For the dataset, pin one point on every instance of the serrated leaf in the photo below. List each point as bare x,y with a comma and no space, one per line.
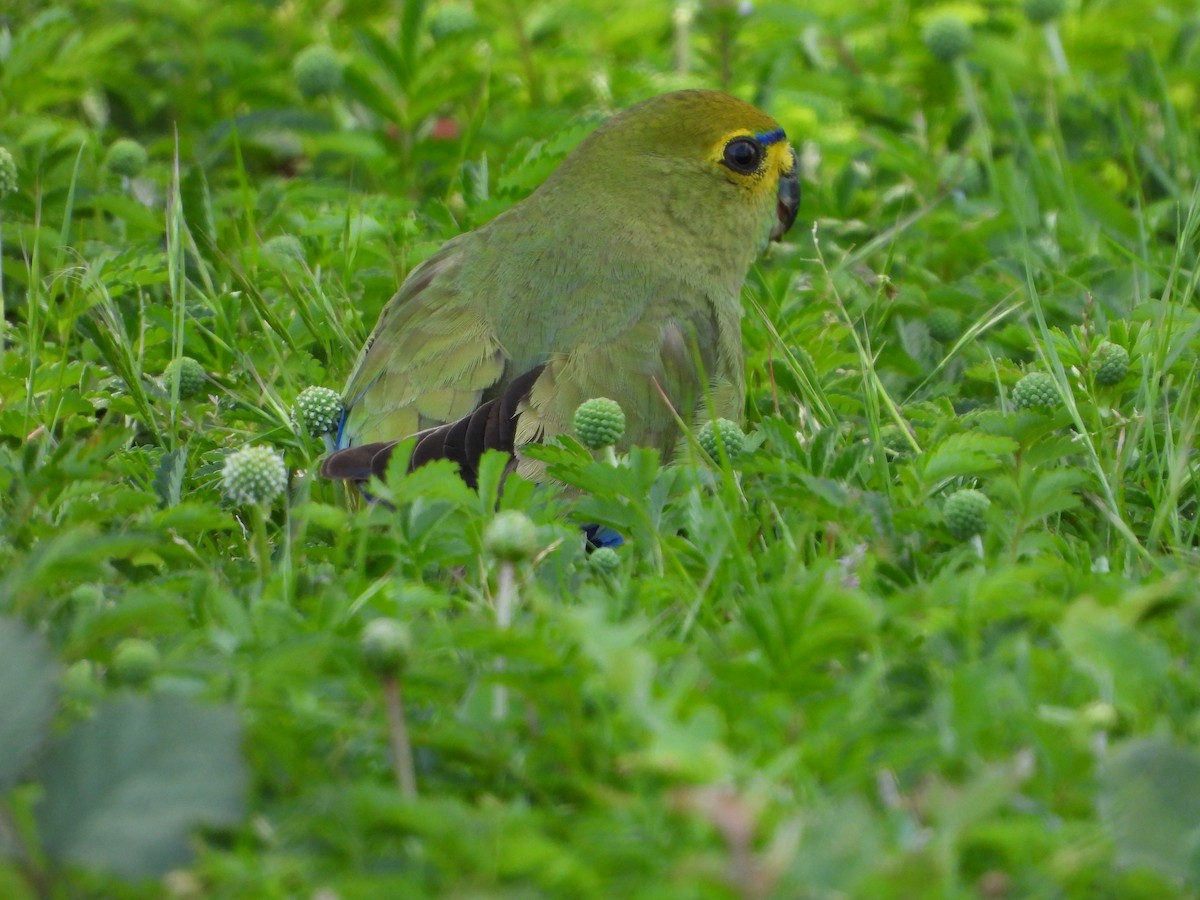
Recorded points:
410,35
191,518
965,454
1055,492
832,492
123,790
168,477
1149,794
1127,665
28,694
493,468
198,211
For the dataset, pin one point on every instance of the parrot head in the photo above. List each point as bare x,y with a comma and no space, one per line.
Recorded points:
711,160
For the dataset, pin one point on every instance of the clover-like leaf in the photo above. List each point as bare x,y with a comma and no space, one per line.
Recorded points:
124,789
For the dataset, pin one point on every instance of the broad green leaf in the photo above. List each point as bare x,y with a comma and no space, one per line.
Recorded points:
124,790
965,454
1055,492
840,843
28,691
1129,667
1149,800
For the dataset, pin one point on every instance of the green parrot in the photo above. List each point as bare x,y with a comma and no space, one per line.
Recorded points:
619,277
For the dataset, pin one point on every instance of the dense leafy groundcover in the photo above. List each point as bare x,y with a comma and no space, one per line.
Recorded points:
930,633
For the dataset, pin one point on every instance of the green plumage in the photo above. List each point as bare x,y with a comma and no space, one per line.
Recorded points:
619,277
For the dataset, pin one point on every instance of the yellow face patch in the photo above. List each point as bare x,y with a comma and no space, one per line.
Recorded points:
756,160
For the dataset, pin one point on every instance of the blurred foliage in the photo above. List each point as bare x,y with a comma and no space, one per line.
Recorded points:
794,680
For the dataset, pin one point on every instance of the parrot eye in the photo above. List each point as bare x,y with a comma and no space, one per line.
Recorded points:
743,155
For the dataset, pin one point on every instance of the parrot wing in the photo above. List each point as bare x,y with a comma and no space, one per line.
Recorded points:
429,360
433,369
540,403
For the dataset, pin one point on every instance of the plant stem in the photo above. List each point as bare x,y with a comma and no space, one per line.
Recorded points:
3,321
1055,47
967,85
506,596
261,547
682,18
402,758
35,876
527,54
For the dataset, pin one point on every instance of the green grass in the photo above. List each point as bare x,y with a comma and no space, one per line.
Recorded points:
796,681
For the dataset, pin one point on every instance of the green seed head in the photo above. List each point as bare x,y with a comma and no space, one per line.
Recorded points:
126,157
605,560
318,410
1041,11
253,475
450,19
722,435
317,70
966,513
1100,715
79,679
945,325
386,646
599,422
184,377
947,37
1037,390
8,173
1111,364
511,536
134,661
86,596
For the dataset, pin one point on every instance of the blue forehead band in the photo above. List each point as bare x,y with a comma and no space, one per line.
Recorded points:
767,138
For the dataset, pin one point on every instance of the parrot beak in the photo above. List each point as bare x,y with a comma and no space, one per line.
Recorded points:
789,200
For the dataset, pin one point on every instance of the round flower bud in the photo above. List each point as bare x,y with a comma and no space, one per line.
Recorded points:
286,245
599,422
722,434
947,37
126,157
134,661
79,679
451,19
317,70
511,536
1037,390
1041,11
86,596
966,513
253,475
945,325
1100,715
386,646
318,410
1111,364
605,560
184,377
8,173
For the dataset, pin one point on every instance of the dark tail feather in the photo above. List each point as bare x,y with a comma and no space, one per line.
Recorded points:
490,426
359,463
